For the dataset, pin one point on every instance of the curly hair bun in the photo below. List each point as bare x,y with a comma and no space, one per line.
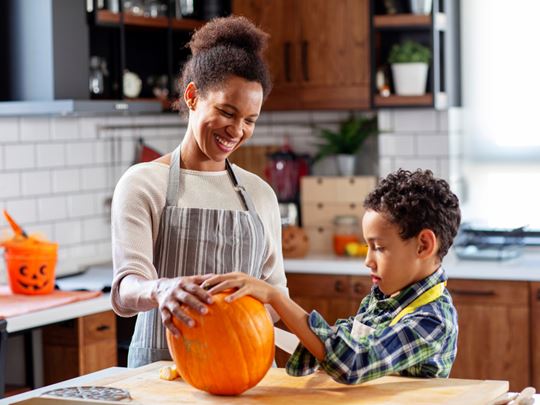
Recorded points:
230,31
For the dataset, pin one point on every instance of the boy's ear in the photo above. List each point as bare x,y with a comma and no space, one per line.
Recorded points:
427,244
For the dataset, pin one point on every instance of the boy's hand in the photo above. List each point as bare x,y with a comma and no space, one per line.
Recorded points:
245,285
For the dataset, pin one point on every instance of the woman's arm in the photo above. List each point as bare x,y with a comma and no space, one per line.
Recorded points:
290,312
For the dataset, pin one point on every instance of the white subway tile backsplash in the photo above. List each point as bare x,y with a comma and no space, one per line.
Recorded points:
94,178
35,129
50,155
23,211
1,157
444,169
10,185
9,130
386,120
36,182
80,153
65,128
65,180
81,205
52,208
68,232
88,127
386,166
45,231
19,157
96,229
415,120
102,152
396,144
442,117
432,145
329,116
296,117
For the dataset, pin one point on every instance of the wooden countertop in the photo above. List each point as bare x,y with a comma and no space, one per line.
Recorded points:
277,387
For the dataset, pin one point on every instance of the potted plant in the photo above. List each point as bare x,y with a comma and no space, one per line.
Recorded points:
409,61
346,142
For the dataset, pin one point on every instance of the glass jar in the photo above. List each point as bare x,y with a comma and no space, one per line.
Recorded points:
346,230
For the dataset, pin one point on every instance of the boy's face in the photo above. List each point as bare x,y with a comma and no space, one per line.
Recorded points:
393,262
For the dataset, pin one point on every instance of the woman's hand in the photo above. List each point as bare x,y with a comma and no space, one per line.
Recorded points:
172,293
245,285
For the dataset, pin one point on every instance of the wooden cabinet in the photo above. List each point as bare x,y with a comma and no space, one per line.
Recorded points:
493,341
318,53
535,333
79,346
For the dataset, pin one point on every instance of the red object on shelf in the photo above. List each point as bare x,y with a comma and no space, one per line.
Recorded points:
144,153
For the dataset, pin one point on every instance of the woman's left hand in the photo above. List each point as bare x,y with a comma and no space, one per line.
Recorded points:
245,285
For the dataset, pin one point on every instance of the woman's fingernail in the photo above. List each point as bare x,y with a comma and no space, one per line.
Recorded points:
228,299
204,310
209,300
191,324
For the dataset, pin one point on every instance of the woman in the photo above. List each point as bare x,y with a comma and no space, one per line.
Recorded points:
189,214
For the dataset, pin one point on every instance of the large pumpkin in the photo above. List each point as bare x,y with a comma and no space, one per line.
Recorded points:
229,350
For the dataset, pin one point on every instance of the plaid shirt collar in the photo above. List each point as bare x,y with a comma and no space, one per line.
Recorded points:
398,302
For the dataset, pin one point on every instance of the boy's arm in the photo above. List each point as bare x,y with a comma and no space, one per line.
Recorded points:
296,319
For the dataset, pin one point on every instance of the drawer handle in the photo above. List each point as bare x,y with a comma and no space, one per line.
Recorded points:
339,287
102,328
358,288
353,206
320,206
538,294
478,293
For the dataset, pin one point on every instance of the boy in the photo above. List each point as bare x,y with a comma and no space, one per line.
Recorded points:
407,324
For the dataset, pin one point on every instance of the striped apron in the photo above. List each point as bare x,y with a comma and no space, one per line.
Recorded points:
195,241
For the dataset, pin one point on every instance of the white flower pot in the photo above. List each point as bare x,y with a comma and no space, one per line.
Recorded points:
346,164
421,7
410,78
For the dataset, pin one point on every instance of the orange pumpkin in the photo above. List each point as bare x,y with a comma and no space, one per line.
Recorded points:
294,242
229,350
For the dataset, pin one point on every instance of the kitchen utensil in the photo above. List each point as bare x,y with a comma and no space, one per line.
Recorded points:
144,153
15,226
90,392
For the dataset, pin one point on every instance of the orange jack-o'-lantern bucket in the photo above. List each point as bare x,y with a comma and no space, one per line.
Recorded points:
31,266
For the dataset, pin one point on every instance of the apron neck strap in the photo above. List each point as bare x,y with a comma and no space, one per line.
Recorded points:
173,188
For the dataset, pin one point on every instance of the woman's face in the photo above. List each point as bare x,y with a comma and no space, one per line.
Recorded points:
225,117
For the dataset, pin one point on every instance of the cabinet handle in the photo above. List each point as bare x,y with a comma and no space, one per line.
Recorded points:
478,293
339,287
102,328
358,288
287,60
538,294
305,70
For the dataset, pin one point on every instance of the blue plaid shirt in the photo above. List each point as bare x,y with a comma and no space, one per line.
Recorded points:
421,344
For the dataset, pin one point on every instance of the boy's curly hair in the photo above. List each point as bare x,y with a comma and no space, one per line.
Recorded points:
223,47
415,201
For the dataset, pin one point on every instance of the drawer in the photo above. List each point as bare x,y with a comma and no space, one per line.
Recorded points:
323,213
360,286
320,239
511,293
98,327
336,189
318,285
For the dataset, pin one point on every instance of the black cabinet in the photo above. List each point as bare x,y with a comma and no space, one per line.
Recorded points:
394,22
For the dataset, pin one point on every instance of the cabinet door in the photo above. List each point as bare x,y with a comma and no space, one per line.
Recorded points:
360,287
493,341
280,20
334,53
328,294
97,342
535,333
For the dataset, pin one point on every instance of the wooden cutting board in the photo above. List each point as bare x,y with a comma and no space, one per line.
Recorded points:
279,388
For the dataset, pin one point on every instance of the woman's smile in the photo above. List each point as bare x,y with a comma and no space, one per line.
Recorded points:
223,144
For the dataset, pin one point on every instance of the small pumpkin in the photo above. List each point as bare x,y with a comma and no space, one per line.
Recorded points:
229,350
294,242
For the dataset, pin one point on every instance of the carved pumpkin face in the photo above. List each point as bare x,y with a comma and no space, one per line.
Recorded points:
294,241
31,274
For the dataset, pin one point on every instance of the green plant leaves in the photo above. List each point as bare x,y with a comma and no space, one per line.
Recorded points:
349,139
409,52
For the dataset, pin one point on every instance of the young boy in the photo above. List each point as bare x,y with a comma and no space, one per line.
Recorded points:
407,324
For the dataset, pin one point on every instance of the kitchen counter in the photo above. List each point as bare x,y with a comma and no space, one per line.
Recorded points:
523,268
277,387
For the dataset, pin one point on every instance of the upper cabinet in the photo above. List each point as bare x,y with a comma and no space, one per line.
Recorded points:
436,28
319,51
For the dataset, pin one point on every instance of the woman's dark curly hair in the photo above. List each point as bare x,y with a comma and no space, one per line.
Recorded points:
415,201
227,46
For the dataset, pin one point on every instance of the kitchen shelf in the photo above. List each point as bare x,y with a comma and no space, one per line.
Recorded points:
402,20
186,24
393,100
105,17
145,22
